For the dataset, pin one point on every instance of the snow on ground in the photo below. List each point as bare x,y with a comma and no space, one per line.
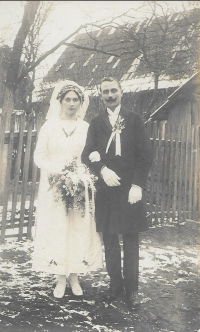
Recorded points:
169,286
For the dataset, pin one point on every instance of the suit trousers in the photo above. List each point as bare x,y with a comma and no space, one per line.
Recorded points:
130,260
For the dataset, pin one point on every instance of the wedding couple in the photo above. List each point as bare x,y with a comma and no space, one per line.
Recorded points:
116,148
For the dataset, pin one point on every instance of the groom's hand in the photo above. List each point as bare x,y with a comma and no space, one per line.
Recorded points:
110,177
135,194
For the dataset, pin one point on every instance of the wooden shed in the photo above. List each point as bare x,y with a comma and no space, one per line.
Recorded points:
181,108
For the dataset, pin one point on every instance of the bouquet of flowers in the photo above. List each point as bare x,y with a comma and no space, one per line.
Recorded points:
70,186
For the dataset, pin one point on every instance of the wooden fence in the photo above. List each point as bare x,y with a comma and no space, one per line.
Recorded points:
172,190
173,184
18,210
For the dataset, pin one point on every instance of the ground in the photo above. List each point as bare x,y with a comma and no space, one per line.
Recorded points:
169,285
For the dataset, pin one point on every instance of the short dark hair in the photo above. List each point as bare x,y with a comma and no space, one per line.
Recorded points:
110,79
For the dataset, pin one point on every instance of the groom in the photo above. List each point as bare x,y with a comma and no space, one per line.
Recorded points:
118,151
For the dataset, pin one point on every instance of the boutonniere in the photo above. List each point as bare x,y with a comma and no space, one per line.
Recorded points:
119,125
115,135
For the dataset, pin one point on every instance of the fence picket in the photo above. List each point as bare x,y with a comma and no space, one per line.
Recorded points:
17,168
181,172
190,179
164,177
25,175
175,175
33,188
195,172
159,180
186,173
7,179
150,186
191,175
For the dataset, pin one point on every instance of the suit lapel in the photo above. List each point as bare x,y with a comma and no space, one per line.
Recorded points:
122,112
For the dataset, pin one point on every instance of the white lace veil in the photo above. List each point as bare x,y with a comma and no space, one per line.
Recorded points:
54,111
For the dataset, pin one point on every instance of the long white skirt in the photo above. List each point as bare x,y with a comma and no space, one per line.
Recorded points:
64,243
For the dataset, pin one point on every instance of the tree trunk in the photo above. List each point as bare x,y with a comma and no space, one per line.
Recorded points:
30,11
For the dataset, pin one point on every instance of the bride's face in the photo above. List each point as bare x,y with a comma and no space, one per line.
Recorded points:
70,104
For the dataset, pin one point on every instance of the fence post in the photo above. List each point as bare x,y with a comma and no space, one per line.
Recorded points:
25,174
17,168
7,178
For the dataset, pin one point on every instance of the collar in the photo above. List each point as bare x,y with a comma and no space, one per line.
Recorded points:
115,112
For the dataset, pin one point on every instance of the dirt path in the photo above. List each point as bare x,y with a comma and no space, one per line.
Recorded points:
169,286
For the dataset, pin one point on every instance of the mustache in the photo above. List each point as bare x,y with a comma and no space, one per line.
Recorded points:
110,99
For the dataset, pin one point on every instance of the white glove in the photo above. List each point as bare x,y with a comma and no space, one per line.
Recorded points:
135,194
110,177
94,156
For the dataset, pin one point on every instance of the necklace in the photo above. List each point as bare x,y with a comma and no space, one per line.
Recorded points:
70,134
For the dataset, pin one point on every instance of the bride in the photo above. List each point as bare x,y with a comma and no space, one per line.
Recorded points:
66,244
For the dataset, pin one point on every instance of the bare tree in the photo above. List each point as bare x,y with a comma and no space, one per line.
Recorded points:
24,58
166,42
31,51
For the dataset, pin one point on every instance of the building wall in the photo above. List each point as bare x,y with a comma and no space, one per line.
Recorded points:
180,114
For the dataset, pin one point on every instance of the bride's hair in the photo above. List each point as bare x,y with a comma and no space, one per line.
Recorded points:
68,88
61,88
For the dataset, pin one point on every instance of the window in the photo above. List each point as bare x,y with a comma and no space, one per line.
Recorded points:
116,63
132,68
87,61
110,59
98,34
93,70
58,67
112,30
72,65
138,27
90,81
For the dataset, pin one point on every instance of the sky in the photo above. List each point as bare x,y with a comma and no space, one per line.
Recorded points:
66,17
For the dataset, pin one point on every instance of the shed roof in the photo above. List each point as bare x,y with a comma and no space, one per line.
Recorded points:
187,86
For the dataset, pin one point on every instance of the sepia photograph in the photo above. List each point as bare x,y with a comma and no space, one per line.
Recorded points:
99,166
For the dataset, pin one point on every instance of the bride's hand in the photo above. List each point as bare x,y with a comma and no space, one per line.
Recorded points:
94,156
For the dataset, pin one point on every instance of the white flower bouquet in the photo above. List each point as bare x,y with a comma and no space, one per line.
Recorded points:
71,184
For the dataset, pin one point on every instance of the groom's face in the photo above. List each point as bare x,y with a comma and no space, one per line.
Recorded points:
111,94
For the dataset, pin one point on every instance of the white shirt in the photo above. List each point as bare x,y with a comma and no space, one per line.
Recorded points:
113,115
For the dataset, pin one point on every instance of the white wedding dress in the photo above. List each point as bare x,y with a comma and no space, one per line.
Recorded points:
64,243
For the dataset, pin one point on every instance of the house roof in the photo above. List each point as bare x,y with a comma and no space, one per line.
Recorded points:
186,87
87,68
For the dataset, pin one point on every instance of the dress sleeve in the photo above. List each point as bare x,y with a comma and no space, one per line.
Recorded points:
41,154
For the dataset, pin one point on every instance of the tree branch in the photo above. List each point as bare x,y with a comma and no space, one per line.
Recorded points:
90,49
61,43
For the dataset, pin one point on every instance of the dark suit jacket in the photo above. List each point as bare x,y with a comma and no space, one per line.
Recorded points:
113,212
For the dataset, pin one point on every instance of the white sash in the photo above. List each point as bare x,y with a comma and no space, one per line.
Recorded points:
115,134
